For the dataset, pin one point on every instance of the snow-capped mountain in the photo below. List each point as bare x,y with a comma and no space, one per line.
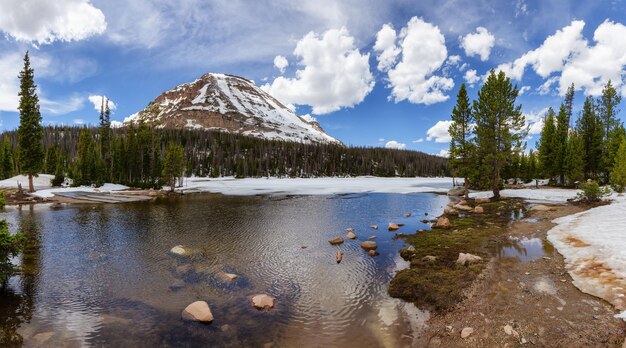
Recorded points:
231,104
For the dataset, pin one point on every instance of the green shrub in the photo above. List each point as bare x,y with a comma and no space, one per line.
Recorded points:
592,192
2,200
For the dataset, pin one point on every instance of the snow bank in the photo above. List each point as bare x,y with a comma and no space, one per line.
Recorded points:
315,186
593,243
536,195
43,180
49,193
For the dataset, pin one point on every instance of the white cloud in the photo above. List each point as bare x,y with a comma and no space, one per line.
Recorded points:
534,120
479,43
471,77
281,63
439,132
79,121
308,118
61,107
547,85
524,89
334,73
96,100
45,21
10,66
423,53
443,153
395,145
380,140
116,124
386,46
454,60
420,140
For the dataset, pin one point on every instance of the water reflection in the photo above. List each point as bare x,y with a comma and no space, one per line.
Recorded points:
104,274
525,249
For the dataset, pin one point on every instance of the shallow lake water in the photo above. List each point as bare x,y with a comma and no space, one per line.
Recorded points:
98,275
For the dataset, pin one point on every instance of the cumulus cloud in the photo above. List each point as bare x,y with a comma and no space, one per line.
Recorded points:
523,90
386,47
392,144
281,63
10,66
439,132
116,124
334,73
534,121
96,101
479,43
471,77
308,118
61,107
45,21
420,140
443,153
423,51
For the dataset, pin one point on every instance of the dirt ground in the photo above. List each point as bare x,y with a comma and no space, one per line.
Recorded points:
533,294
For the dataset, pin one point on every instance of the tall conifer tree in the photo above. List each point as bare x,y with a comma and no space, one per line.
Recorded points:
461,145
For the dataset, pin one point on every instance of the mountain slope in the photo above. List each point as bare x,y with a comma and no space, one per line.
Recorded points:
232,104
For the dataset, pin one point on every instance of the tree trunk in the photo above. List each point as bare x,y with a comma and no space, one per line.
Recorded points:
496,183
466,187
31,187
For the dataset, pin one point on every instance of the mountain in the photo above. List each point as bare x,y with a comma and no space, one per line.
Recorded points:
231,104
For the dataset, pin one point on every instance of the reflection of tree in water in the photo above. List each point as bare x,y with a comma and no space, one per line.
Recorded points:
17,297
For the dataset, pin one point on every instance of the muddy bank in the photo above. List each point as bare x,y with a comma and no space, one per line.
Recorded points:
519,294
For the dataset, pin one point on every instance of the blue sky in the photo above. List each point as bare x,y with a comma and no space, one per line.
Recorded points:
373,73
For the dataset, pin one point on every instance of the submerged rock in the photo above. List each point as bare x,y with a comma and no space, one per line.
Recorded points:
179,250
350,229
198,311
338,256
468,259
263,302
372,253
229,277
369,245
374,227
372,237
336,241
466,332
425,221
407,214
351,235
393,227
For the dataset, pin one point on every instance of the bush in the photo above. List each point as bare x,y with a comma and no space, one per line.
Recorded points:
2,200
10,246
592,192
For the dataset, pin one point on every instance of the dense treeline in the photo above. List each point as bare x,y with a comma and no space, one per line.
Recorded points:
136,156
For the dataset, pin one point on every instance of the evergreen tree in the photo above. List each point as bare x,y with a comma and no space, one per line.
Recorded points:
461,145
499,124
589,127
547,145
532,166
30,130
562,131
618,175
173,164
607,112
574,159
86,162
105,138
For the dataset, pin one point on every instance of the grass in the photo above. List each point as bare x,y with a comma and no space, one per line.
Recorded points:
440,284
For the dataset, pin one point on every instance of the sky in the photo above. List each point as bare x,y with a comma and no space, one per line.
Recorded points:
371,72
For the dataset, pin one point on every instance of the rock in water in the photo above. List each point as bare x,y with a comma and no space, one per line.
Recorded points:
178,250
350,229
466,332
369,245
372,237
263,302
407,214
468,259
393,227
198,311
374,227
351,235
229,277
442,222
336,241
338,256
372,253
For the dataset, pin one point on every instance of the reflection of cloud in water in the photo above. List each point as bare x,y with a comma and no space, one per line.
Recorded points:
73,324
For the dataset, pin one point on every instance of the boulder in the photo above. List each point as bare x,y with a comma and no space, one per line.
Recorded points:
442,222
393,227
482,200
350,229
450,211
372,253
479,210
429,258
336,241
463,202
198,311
338,256
456,192
369,245
229,277
263,302
372,237
466,332
468,259
541,207
179,250
374,227
463,207
351,235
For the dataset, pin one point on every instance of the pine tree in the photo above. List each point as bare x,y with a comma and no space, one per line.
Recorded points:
461,145
562,131
618,175
499,124
574,159
105,138
607,112
87,161
547,145
30,132
589,127
173,164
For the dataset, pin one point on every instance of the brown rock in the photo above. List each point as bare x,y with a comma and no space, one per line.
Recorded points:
263,302
450,211
467,259
442,222
372,237
336,241
456,192
198,311
350,229
479,210
429,258
482,200
372,253
374,227
463,207
466,332
541,207
229,277
351,235
369,245
393,227
338,256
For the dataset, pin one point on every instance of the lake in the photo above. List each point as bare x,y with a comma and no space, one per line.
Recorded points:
98,275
